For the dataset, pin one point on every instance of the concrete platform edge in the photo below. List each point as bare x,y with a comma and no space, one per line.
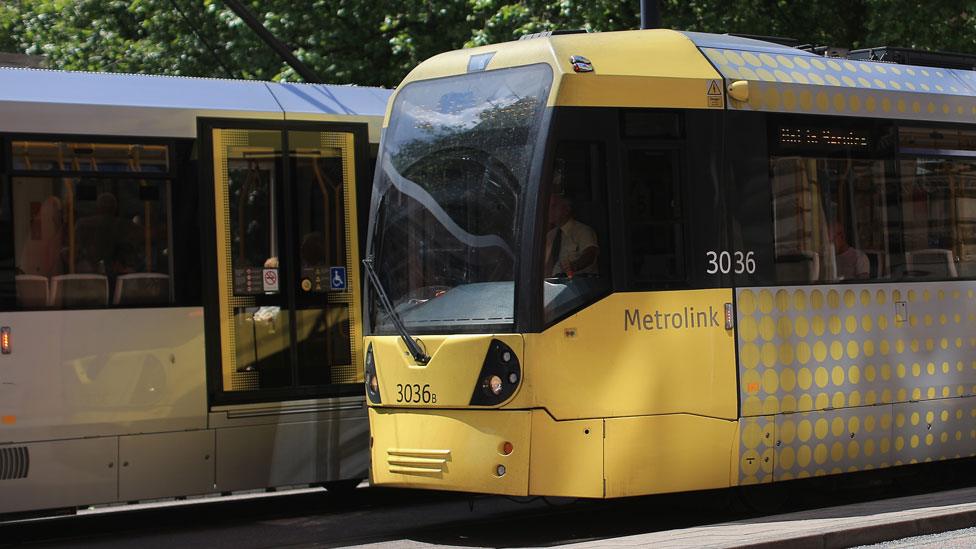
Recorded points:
877,533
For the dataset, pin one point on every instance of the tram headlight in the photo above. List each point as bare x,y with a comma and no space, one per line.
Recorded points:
495,385
499,377
369,376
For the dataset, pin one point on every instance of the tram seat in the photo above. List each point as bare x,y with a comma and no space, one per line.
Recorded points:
141,289
32,291
800,266
79,290
931,263
880,267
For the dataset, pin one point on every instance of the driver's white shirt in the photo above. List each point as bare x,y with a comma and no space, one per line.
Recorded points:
576,238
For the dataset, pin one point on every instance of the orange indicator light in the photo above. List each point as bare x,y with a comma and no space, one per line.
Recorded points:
5,340
507,448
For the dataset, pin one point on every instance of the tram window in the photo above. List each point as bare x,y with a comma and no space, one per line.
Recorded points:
251,186
841,212
576,256
320,214
7,264
252,181
938,202
830,219
653,213
320,174
83,241
938,199
831,198
89,157
423,260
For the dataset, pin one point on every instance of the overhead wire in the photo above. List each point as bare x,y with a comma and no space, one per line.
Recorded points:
213,51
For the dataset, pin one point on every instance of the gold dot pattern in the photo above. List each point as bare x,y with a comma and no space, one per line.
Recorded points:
843,353
821,443
855,86
816,342
757,450
934,430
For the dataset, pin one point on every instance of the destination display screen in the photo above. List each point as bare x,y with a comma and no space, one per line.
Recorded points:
822,139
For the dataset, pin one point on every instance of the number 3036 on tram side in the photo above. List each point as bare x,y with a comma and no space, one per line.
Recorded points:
656,261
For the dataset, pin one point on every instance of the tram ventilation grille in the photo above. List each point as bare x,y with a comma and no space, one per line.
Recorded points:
417,462
14,462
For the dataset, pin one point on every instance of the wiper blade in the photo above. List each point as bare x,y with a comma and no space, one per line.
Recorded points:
418,354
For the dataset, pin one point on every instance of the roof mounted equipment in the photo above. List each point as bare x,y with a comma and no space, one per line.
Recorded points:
908,56
546,34
781,40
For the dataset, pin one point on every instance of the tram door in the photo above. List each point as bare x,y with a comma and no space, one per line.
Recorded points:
287,262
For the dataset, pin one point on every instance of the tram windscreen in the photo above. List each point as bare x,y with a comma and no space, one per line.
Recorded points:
448,196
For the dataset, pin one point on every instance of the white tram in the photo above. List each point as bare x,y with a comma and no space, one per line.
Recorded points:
179,286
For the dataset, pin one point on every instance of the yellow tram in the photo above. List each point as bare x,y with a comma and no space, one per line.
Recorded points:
652,261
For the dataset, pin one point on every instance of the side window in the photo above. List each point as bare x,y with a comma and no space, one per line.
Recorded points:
8,290
576,258
829,204
653,218
938,203
830,220
855,200
90,225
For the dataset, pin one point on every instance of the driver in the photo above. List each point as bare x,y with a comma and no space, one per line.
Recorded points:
571,246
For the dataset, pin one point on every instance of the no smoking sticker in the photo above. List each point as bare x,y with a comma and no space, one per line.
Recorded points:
270,280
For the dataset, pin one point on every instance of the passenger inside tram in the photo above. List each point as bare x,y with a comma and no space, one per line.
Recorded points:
851,262
106,242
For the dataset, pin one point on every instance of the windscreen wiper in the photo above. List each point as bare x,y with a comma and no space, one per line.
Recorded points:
418,354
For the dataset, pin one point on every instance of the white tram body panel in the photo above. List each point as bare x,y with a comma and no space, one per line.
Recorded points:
77,374
111,404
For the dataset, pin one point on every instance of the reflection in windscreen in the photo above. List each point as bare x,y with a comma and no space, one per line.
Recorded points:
448,195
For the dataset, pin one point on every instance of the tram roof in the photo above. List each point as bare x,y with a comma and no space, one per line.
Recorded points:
784,79
680,68
48,101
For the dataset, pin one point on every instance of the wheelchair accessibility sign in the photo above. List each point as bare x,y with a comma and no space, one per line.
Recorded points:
337,279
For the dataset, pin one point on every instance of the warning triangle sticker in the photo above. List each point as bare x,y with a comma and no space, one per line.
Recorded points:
713,88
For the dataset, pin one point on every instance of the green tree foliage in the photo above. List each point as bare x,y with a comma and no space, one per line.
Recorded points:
375,42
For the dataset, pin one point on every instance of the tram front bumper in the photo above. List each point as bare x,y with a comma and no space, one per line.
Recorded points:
460,450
